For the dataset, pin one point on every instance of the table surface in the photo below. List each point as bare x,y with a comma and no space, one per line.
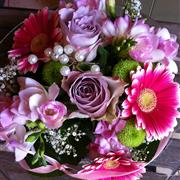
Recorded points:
166,166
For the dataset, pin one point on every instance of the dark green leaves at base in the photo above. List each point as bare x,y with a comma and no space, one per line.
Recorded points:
67,138
145,152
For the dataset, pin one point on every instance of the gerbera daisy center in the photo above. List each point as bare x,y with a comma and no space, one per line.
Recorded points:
39,43
111,164
147,100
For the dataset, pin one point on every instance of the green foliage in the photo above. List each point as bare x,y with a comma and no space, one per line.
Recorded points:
123,69
38,159
145,151
130,136
121,47
33,137
50,73
38,125
102,59
85,126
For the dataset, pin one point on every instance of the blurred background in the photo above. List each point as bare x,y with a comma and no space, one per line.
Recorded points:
159,13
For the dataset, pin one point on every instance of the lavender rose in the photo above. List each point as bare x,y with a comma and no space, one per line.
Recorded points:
83,29
94,94
52,113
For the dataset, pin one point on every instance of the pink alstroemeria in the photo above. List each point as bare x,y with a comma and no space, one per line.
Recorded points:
15,141
24,107
151,45
124,28
32,95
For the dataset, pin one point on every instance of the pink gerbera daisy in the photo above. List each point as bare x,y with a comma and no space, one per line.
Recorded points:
153,98
39,31
117,163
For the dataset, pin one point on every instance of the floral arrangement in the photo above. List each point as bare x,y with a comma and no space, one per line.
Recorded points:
89,88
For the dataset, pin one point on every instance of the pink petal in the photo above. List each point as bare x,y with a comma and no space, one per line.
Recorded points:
121,26
108,28
53,91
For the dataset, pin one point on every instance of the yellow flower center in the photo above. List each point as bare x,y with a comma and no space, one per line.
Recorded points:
39,43
147,100
111,164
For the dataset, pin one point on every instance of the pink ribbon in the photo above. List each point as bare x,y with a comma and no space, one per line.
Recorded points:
55,165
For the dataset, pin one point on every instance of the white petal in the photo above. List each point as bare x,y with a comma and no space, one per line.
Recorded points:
157,55
19,154
173,67
108,28
164,34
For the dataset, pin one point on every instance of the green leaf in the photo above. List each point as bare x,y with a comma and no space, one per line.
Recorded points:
103,56
33,137
83,67
31,125
41,125
35,159
41,147
44,162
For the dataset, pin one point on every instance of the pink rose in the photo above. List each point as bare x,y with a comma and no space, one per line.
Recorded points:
52,113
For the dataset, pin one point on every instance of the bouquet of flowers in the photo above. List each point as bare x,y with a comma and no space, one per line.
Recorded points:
89,93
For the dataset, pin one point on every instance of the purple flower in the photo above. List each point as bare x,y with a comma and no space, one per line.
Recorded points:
151,45
146,49
94,95
83,29
124,28
24,106
168,44
6,115
15,136
106,138
52,113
